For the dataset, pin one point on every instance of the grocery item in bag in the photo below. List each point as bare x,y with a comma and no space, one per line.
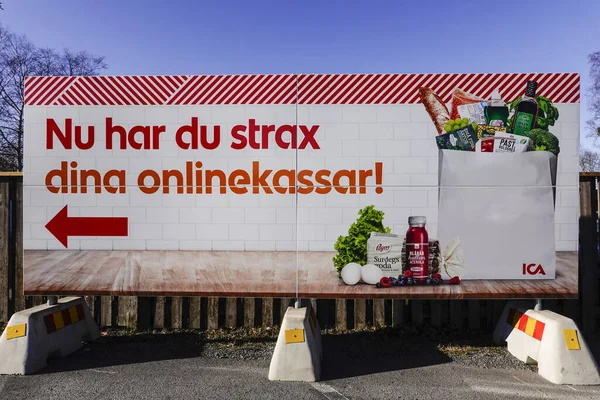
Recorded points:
385,250
434,256
496,112
435,107
486,130
475,112
459,139
460,98
503,142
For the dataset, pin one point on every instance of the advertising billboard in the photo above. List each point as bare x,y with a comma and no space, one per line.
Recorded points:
302,184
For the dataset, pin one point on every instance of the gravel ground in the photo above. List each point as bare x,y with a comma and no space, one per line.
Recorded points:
406,363
382,345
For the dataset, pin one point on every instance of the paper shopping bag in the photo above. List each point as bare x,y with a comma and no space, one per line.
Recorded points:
501,207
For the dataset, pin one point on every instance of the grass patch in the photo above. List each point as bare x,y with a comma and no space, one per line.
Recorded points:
452,350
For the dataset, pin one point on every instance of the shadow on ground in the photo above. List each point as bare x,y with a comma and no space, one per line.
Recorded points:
359,354
345,354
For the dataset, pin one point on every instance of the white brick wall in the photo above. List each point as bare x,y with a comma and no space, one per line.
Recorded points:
350,137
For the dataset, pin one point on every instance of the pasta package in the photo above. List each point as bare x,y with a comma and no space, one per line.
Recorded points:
503,142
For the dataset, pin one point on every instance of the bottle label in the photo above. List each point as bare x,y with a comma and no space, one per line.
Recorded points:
523,122
418,259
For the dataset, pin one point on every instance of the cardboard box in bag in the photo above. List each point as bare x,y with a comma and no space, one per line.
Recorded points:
501,206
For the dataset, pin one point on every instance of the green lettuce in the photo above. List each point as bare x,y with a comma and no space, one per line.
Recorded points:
353,247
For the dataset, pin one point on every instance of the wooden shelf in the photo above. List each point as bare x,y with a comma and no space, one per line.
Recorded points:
251,274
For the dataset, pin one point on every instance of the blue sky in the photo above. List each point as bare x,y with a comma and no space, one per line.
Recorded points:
327,36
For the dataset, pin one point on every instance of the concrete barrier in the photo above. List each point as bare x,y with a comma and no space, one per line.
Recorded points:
35,334
298,352
551,341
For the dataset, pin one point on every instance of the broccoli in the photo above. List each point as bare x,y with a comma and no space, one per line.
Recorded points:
543,140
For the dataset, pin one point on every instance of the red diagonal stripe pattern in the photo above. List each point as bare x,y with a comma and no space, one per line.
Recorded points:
288,88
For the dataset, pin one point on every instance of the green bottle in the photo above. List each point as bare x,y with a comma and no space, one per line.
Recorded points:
496,112
526,111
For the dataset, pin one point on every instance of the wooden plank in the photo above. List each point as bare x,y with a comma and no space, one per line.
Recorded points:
37,300
249,311
341,322
4,237
11,173
159,313
195,312
397,312
588,263
231,312
474,307
183,278
285,303
379,312
360,313
436,312
416,312
106,313
457,316
128,308
19,296
267,312
177,312
213,313
90,301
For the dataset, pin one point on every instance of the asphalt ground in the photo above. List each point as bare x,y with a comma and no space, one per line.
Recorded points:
366,365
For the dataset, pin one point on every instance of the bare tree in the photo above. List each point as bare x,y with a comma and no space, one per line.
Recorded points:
589,161
20,58
593,124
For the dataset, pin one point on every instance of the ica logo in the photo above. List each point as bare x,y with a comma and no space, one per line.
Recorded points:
533,269
382,248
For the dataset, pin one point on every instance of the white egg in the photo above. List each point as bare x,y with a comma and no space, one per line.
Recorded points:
351,273
371,274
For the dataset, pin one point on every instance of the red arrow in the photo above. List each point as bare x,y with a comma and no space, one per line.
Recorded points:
62,226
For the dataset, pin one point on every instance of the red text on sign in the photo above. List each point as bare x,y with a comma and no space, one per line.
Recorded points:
533,269
285,136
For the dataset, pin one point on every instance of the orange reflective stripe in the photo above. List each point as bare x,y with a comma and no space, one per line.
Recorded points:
539,330
66,316
49,322
59,322
523,322
73,315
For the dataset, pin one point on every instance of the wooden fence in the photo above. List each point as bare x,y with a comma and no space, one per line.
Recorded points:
211,312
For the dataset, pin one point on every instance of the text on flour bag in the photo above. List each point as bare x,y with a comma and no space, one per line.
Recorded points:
417,248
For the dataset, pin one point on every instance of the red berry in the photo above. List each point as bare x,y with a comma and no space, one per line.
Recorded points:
438,276
385,282
454,281
408,273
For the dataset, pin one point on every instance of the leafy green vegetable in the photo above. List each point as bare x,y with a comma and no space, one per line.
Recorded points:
543,140
353,247
547,113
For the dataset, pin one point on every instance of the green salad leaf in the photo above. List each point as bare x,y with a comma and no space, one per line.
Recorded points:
353,247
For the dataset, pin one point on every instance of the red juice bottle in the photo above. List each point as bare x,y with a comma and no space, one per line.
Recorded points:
417,248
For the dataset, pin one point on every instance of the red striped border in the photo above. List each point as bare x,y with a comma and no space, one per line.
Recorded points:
287,89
